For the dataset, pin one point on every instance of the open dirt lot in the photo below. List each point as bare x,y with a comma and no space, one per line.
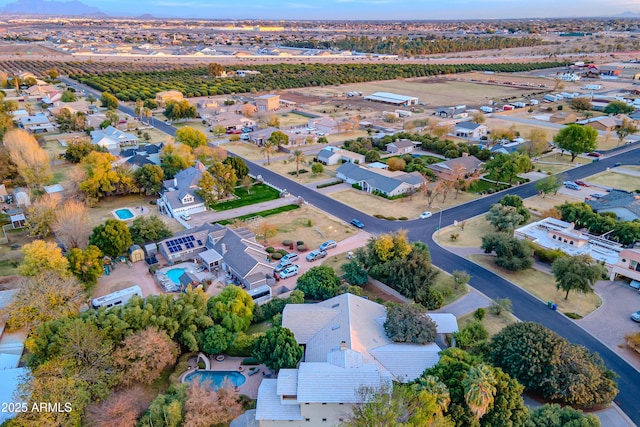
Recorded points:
537,205
291,119
283,167
434,92
407,207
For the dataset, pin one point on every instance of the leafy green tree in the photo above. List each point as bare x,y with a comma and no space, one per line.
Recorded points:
225,179
546,363
191,137
79,148
278,349
215,340
113,237
109,101
581,104
178,110
150,103
101,178
166,410
507,166
41,256
238,165
172,163
317,168
355,274
619,107
86,264
626,128
577,273
511,253
576,139
319,283
215,69
232,308
147,229
149,178
278,139
68,96
516,202
409,323
471,335
554,415
504,218
626,232
91,99
550,184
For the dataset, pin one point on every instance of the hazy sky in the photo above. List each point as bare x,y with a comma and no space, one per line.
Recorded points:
365,9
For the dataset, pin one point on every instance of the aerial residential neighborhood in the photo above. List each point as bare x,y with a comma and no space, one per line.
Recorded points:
347,222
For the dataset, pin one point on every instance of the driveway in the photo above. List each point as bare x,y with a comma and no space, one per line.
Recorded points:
611,321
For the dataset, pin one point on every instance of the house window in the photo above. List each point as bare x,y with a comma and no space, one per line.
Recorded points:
571,242
554,237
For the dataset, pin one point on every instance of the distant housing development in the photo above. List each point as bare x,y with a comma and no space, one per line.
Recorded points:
346,348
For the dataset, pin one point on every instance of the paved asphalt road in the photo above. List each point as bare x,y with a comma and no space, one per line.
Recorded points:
525,306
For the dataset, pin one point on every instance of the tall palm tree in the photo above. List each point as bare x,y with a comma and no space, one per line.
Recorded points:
436,388
139,108
146,112
479,389
268,150
297,156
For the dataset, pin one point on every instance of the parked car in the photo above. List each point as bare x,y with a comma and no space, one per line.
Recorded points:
233,132
329,244
636,316
185,216
290,271
284,263
616,164
594,154
596,195
425,215
357,223
290,257
635,284
317,254
582,183
572,185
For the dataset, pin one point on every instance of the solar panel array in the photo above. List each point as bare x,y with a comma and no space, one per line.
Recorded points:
175,245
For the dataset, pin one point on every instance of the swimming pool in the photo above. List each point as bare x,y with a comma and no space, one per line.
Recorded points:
217,377
124,213
175,273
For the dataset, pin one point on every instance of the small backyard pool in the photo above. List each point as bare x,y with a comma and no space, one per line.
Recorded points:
175,273
217,377
124,214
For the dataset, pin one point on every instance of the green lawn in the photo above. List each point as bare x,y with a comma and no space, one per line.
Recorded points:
8,267
58,176
480,186
263,214
259,193
257,328
493,323
446,286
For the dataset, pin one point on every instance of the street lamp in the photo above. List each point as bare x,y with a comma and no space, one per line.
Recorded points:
439,223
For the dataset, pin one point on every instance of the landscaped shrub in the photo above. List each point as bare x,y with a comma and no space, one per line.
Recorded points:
329,184
299,242
433,299
242,345
286,243
282,252
201,364
250,361
479,313
403,218
302,248
270,250
276,256
356,186
547,255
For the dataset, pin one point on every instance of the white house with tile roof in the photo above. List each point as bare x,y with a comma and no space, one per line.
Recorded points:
346,349
179,195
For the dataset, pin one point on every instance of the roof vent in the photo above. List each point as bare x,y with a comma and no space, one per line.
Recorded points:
335,327
335,305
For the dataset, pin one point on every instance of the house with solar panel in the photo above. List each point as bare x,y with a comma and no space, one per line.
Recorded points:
345,349
220,250
179,194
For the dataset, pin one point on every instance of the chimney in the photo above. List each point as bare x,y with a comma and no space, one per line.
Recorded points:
224,249
465,154
343,345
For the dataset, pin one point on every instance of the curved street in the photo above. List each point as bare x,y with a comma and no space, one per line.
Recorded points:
525,306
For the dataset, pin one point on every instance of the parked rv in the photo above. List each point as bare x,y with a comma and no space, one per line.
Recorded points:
117,298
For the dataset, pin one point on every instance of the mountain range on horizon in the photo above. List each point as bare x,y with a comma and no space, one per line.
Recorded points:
78,8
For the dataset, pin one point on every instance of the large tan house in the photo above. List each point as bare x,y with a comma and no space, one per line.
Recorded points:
170,95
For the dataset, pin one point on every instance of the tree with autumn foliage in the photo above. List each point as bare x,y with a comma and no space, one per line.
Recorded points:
32,162
42,215
144,355
86,264
206,406
40,256
72,224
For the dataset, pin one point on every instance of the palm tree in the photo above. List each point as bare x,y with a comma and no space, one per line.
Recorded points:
139,108
437,388
479,389
297,156
146,112
267,150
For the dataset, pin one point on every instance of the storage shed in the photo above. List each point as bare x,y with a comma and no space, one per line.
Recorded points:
136,253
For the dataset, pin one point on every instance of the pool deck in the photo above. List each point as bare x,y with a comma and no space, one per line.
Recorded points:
136,212
250,386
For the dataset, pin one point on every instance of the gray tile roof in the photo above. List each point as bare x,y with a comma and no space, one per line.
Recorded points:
269,406
468,125
616,199
239,252
383,183
469,163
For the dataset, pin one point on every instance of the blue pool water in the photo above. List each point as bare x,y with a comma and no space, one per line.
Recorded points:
175,273
217,377
124,214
